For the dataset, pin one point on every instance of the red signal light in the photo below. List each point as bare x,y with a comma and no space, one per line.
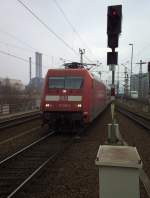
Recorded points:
112,91
114,13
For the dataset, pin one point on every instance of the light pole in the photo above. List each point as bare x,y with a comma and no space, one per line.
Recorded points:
131,44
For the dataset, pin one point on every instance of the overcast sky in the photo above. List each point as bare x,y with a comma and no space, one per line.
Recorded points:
21,34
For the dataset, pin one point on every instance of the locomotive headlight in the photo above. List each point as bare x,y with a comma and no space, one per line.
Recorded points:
79,105
46,105
64,91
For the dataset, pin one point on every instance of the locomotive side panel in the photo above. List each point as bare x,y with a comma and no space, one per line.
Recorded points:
98,100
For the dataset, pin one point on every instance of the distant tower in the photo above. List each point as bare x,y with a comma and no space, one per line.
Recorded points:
38,62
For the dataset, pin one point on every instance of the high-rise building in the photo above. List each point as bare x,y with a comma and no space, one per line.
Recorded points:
38,63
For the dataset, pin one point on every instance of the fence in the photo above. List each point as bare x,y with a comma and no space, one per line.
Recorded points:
4,109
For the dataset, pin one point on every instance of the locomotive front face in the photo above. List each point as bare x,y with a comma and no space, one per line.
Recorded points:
64,93
64,99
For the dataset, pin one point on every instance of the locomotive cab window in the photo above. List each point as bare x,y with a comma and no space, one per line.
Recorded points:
69,82
73,82
56,82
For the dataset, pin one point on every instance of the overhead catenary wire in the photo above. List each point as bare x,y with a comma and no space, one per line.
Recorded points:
30,48
24,49
16,46
18,39
71,25
50,29
14,56
47,27
19,57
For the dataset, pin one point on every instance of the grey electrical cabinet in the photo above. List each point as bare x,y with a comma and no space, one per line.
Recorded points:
118,171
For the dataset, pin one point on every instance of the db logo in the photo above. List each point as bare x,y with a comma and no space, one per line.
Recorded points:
63,98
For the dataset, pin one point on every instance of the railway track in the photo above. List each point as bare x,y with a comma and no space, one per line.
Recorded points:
134,136
19,168
8,123
141,120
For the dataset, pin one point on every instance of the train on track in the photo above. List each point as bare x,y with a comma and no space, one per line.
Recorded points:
72,96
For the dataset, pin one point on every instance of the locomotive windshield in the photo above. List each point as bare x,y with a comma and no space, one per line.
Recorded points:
56,82
68,82
73,82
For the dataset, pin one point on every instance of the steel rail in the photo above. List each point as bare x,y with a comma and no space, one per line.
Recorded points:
20,135
18,121
143,176
14,117
25,148
135,117
37,170
52,157
32,175
131,111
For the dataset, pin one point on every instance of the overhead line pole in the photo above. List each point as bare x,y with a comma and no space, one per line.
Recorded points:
126,82
131,44
140,78
30,69
81,51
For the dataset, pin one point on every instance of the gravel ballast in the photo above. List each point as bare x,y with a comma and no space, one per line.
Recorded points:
74,174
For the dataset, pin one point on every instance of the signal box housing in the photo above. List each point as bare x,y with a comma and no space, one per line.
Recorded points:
114,18
112,58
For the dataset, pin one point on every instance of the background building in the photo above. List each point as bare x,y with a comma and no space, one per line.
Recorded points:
38,63
36,82
140,83
14,83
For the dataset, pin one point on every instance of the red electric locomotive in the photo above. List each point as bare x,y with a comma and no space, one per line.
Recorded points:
72,96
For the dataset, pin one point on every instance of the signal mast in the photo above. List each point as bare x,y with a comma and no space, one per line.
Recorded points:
114,18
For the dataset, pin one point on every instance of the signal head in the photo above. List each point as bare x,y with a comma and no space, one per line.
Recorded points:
114,17
149,67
